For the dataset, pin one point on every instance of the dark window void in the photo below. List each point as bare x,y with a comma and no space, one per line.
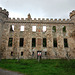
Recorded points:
10,42
65,43
33,42
44,42
54,29
21,53
32,53
64,29
45,53
55,42
11,53
11,28
21,42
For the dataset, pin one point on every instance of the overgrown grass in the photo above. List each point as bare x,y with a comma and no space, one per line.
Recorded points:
44,67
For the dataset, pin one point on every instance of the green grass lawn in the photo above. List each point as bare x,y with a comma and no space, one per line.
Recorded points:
44,67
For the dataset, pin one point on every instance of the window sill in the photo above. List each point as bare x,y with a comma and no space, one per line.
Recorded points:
33,47
33,32
9,46
21,31
44,47
20,47
44,32
66,47
11,31
55,47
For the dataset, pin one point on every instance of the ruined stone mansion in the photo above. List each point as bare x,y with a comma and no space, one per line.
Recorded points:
26,38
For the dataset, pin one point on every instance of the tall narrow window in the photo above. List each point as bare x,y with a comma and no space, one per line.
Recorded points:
11,27
54,29
45,53
55,42
11,53
44,42
22,28
34,28
65,43
21,42
64,29
32,53
33,42
21,53
44,28
10,42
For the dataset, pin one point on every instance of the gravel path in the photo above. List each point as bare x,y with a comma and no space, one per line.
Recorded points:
6,72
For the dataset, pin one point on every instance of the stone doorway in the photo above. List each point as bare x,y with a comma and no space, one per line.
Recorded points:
39,54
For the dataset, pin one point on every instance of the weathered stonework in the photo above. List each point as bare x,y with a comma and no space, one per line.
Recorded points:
48,52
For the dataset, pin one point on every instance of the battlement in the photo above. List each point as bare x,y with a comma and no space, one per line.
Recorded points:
72,13
37,20
4,11
50,37
29,19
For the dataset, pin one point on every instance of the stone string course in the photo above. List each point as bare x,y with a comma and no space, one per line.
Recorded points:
58,52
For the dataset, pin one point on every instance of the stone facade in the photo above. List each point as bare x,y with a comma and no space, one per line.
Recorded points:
29,52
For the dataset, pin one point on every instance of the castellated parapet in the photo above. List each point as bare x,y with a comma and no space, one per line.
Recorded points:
38,20
4,11
72,13
27,38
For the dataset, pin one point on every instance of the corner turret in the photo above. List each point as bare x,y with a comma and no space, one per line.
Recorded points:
3,14
72,15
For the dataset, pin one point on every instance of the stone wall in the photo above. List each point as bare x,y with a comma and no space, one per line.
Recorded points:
48,52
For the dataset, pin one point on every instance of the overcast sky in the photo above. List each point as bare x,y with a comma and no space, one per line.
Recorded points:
39,8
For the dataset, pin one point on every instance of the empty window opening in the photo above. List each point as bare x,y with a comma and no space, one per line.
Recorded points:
67,54
44,28
45,53
55,42
64,29
21,53
54,29
11,27
10,42
34,28
22,28
65,43
44,42
33,42
32,53
21,42
11,53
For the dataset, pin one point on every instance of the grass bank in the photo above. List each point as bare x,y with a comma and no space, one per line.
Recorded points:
44,67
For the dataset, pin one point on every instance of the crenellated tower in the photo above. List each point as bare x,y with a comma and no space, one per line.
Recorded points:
3,16
72,16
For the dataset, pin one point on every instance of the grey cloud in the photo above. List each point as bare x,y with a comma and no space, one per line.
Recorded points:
40,8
